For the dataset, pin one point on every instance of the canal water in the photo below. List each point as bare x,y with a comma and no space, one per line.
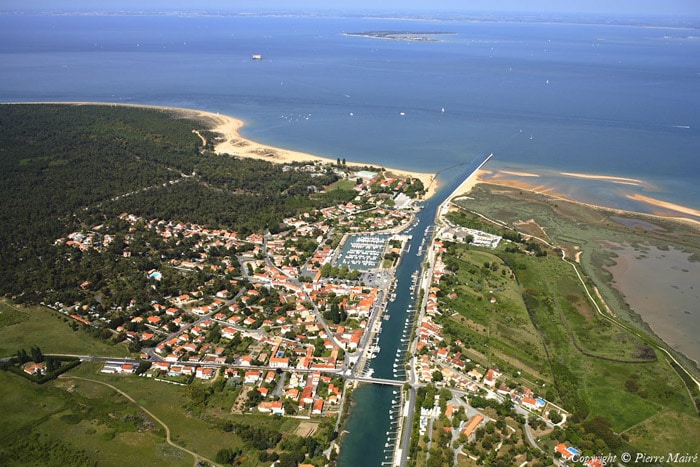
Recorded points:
372,426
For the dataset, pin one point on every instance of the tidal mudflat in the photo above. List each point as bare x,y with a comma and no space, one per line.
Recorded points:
663,287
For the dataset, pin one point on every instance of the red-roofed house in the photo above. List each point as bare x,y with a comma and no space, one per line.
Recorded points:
307,396
318,407
563,450
279,362
491,377
529,403
204,373
471,426
32,368
228,333
252,376
275,408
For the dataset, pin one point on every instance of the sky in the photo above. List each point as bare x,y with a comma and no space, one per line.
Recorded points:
617,7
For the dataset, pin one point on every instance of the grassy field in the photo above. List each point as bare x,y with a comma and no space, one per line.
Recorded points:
581,228
74,421
660,433
586,232
342,185
589,357
89,419
502,328
95,425
198,432
24,327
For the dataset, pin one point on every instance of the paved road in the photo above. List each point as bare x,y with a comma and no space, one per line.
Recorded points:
408,426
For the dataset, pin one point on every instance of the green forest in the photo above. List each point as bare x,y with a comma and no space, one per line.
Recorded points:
70,167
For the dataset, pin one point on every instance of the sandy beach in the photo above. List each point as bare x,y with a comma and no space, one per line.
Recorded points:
505,178
497,178
231,142
607,178
468,184
665,205
518,173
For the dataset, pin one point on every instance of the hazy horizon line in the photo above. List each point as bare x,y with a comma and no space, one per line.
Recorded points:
407,14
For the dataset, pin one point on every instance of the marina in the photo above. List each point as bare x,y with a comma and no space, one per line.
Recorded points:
635,109
363,252
370,420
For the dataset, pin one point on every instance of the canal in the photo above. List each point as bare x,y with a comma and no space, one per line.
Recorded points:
372,427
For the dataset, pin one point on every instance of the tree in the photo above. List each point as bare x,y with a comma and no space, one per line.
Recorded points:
52,364
437,376
199,395
335,314
290,408
326,270
37,356
555,417
143,367
22,356
601,427
226,456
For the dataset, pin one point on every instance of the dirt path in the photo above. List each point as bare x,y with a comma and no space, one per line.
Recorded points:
196,456
204,140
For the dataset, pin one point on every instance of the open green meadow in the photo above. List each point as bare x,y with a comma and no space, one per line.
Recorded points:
87,422
500,328
343,184
667,431
22,327
78,423
72,422
583,231
543,319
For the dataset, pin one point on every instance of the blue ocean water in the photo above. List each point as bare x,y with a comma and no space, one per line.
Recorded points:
543,97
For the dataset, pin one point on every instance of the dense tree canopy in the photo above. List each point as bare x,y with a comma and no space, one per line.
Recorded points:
69,167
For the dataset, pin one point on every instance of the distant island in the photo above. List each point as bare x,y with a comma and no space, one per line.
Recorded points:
412,36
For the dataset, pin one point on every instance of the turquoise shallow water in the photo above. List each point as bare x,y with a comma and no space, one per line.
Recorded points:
602,99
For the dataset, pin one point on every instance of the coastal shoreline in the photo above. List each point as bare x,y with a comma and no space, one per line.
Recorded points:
470,182
500,178
644,311
232,143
